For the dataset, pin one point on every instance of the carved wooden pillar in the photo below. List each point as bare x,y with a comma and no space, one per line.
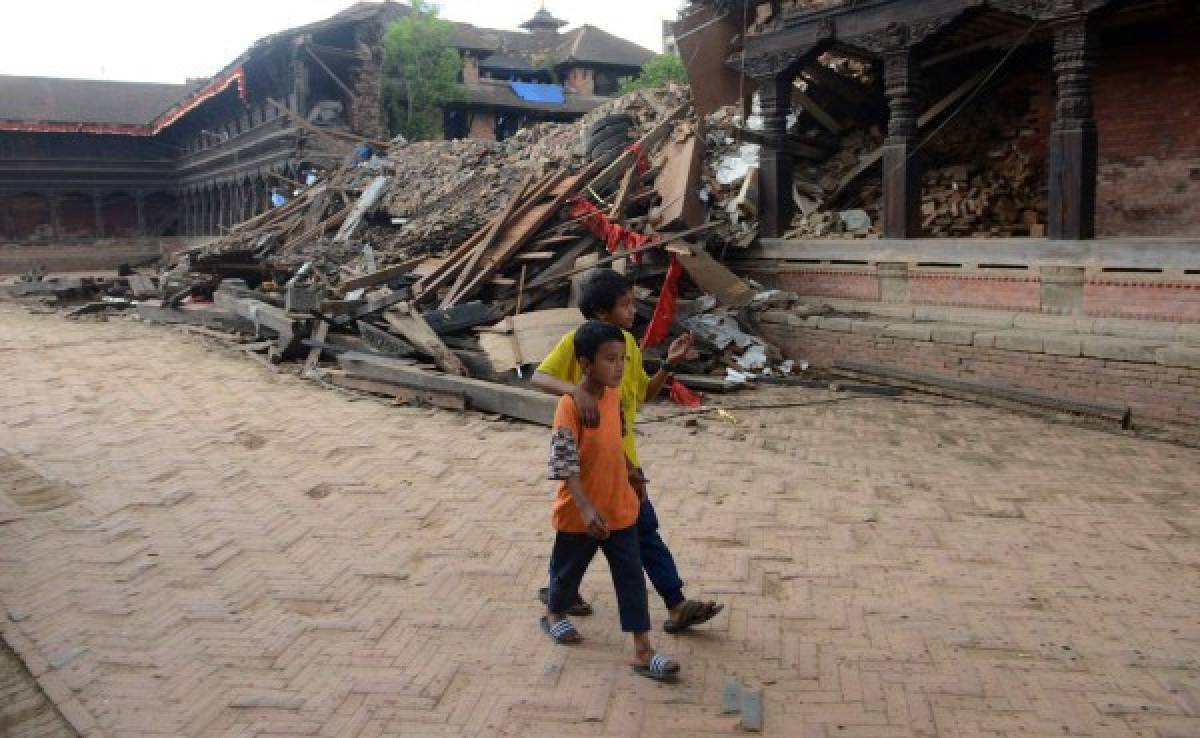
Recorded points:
139,203
1073,141
901,158
775,161
55,221
98,204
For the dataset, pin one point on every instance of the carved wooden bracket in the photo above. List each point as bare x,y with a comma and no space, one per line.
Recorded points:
770,64
897,36
1048,9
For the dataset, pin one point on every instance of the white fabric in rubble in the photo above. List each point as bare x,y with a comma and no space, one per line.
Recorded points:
754,358
733,167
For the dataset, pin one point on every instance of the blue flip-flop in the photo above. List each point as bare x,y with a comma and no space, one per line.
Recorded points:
659,669
561,632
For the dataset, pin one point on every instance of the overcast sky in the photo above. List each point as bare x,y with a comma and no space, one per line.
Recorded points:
171,40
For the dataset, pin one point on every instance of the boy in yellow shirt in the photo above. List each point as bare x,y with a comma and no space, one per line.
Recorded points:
608,297
596,508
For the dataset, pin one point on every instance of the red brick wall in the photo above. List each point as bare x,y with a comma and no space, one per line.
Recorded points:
1128,298
847,284
1148,115
960,290
1158,395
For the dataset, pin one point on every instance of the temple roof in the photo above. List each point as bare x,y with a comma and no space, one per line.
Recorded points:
586,44
50,99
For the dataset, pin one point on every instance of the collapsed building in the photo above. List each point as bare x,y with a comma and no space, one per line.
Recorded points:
964,195
96,173
997,191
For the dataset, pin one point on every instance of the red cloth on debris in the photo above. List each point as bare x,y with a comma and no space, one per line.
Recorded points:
615,236
642,164
664,312
681,395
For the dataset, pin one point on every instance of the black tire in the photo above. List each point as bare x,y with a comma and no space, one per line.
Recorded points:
619,120
612,145
603,142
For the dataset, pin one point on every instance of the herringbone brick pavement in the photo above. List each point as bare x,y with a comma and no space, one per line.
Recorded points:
195,547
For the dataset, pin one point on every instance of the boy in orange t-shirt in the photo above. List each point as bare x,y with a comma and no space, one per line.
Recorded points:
596,506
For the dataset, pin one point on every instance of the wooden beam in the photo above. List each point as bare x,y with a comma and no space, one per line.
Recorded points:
514,204
409,324
819,114
514,402
336,79
383,276
444,400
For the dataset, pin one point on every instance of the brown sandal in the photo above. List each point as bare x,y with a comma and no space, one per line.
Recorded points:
694,613
578,608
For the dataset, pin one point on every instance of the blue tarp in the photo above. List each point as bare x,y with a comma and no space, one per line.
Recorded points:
539,93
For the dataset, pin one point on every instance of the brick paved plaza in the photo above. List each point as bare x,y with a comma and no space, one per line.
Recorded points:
192,546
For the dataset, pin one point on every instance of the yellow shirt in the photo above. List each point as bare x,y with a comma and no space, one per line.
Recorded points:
562,364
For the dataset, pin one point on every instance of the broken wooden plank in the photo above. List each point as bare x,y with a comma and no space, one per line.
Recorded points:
678,183
384,342
207,317
515,203
525,224
314,354
458,318
409,324
443,400
537,256
715,279
528,337
383,276
514,402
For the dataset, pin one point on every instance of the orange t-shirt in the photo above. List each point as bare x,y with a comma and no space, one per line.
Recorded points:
602,467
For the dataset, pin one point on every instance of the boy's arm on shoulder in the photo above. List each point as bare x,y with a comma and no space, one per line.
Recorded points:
551,384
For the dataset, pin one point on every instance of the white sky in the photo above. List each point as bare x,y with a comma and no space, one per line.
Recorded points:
171,40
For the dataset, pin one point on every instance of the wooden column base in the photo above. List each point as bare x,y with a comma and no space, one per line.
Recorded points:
901,189
1072,200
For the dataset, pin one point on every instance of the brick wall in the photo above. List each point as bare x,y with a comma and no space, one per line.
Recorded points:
1148,116
1158,395
1148,119
972,290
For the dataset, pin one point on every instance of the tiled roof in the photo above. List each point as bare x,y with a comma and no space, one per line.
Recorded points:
587,44
53,100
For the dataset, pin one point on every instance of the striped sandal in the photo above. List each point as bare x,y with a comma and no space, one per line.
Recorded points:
660,669
562,632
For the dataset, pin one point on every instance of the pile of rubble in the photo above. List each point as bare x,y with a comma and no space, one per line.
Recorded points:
442,271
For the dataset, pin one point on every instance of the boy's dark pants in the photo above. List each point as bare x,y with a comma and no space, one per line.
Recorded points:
569,560
656,557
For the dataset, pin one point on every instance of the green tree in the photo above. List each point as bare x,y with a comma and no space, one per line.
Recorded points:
658,72
422,69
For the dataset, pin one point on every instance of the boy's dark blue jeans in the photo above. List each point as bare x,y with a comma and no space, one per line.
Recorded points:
656,557
569,560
